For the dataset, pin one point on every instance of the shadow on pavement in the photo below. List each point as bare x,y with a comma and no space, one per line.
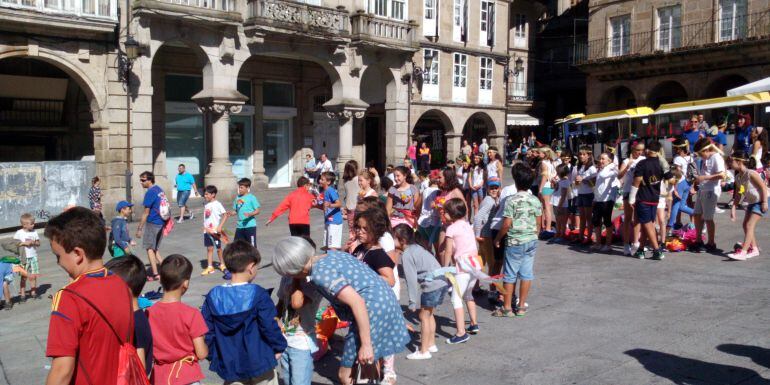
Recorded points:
681,370
760,355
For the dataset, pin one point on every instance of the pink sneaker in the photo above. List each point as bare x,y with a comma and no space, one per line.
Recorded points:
752,253
739,255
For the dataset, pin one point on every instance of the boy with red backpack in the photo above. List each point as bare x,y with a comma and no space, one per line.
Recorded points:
91,326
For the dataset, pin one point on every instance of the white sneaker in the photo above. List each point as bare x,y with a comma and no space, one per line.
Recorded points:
192,214
418,355
634,248
627,249
179,220
433,349
719,211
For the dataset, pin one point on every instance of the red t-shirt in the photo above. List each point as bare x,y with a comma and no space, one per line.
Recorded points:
76,330
298,202
174,325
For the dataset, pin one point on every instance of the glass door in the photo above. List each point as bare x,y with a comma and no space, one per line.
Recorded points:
240,145
277,134
186,144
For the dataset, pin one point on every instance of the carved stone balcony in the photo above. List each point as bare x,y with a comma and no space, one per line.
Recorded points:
292,18
368,29
215,12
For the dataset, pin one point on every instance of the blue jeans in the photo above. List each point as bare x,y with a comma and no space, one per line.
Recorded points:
296,366
519,262
683,188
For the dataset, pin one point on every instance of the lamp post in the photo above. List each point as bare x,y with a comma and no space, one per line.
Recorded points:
418,73
127,57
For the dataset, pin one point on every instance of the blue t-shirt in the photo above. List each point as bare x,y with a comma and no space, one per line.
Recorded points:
721,138
184,182
743,139
245,204
152,199
332,216
692,137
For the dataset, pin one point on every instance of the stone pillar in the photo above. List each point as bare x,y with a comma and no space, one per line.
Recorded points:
497,140
218,105
346,118
259,179
453,146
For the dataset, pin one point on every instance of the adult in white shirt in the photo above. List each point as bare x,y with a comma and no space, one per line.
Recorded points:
626,173
324,164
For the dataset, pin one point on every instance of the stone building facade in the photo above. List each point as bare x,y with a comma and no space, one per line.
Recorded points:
646,53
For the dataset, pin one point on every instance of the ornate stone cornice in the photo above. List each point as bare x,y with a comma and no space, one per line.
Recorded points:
220,108
346,114
219,101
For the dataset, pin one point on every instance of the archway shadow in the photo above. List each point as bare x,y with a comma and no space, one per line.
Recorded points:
760,355
682,370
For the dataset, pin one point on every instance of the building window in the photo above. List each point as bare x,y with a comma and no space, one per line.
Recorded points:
487,35
429,18
620,35
278,94
732,19
430,87
485,73
319,101
669,28
395,9
457,21
430,9
520,30
459,78
430,76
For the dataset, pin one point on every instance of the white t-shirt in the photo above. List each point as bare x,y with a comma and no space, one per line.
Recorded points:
24,236
561,188
585,187
712,166
326,166
424,185
605,181
212,215
478,176
497,221
628,178
682,162
492,169
428,215
388,244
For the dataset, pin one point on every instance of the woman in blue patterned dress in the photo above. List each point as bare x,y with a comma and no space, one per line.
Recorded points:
357,293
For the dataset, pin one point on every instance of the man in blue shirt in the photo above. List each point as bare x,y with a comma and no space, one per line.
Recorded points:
332,212
184,183
720,139
743,134
150,228
246,207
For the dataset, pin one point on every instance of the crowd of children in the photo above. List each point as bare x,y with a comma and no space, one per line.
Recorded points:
456,232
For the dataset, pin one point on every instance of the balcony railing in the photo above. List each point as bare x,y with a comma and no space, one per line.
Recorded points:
298,17
678,38
520,91
102,9
218,5
369,28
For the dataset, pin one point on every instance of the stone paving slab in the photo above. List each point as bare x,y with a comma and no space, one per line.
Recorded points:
594,318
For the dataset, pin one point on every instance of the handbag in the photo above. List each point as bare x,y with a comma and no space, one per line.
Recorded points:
368,374
168,226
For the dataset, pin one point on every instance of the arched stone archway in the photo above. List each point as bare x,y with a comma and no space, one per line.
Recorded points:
49,110
477,127
432,128
666,92
617,98
719,87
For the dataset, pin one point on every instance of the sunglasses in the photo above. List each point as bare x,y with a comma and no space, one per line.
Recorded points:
143,180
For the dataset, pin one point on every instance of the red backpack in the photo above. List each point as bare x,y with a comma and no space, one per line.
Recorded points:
130,368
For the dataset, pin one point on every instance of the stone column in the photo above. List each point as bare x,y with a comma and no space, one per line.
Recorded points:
346,118
259,179
452,146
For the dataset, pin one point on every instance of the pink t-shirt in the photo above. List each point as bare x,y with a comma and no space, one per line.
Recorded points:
174,325
463,238
411,152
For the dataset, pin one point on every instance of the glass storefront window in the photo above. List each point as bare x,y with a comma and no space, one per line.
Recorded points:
186,143
241,145
277,134
278,94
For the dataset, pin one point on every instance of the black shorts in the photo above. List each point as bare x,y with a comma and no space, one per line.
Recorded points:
210,241
299,230
646,213
248,234
602,213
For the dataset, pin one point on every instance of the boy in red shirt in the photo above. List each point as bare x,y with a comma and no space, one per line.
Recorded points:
178,330
298,202
83,347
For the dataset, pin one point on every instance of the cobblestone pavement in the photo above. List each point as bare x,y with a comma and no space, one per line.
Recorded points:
594,318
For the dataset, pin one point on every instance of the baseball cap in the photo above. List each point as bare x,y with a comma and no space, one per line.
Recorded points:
493,181
434,174
121,205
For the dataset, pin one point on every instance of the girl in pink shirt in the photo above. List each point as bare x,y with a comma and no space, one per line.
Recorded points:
461,250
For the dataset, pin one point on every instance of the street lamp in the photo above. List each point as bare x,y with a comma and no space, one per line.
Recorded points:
518,67
127,57
417,73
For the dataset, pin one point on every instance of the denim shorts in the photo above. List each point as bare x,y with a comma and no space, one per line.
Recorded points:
646,213
182,197
755,208
547,191
478,193
585,200
433,298
519,262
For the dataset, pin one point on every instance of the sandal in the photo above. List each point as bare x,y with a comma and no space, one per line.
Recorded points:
521,312
504,313
155,277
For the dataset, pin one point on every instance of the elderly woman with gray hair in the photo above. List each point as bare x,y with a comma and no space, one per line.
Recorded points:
357,293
